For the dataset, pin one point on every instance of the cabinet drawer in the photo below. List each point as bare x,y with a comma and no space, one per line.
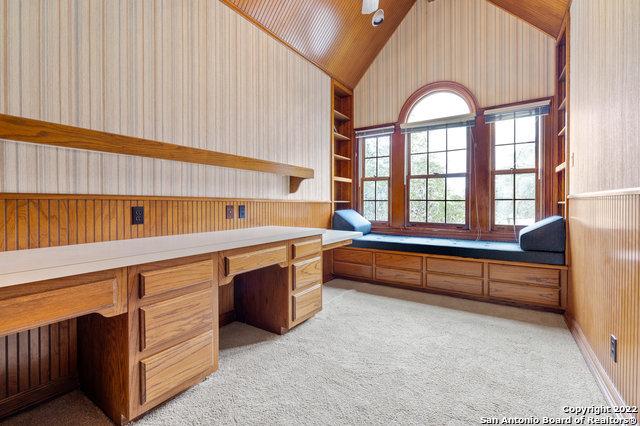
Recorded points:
525,293
399,276
307,272
174,278
353,256
395,261
524,274
173,370
168,320
306,248
50,304
249,261
306,303
457,267
456,284
352,270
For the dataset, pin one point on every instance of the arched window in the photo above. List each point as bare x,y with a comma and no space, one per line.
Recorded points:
438,153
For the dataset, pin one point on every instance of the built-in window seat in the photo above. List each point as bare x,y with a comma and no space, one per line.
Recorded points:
529,272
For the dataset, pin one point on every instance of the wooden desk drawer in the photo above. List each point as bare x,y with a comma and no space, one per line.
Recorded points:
399,276
456,267
174,278
307,248
249,261
395,261
29,306
525,274
353,256
456,284
168,320
307,302
175,369
525,293
352,270
307,272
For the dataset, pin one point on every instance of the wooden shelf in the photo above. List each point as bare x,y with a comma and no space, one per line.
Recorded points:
560,167
341,202
563,74
340,116
22,129
337,136
563,131
562,203
342,179
563,105
341,157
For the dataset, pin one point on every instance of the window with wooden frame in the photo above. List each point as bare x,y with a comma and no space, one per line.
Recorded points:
437,168
516,141
376,167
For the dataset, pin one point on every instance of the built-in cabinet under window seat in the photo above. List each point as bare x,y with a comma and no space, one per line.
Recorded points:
530,273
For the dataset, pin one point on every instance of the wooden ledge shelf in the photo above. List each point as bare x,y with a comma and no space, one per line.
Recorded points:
563,74
22,129
563,105
340,116
563,131
341,157
560,167
340,137
341,179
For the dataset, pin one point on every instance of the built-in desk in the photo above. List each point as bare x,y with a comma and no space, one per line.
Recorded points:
147,308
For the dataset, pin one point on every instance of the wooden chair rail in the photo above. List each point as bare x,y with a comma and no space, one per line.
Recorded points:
22,129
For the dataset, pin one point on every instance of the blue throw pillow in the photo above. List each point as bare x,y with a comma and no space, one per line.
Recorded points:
350,220
545,235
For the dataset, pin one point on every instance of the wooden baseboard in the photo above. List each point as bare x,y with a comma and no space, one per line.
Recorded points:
37,395
606,385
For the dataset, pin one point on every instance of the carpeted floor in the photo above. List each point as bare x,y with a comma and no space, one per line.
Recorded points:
377,355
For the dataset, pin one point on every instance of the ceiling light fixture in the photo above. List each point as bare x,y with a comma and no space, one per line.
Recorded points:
378,18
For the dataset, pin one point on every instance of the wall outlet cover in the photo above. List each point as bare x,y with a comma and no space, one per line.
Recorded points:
229,212
242,211
137,215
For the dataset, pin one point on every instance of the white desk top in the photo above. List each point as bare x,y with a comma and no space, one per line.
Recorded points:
25,266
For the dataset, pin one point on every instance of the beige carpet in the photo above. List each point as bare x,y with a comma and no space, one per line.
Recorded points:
377,355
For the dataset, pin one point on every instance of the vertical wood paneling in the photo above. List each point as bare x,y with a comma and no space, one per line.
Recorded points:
191,73
497,56
605,283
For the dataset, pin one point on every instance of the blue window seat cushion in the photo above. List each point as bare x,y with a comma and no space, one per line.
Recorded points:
350,220
455,247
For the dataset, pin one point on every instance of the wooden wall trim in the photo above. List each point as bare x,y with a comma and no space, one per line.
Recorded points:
32,196
604,382
23,129
608,193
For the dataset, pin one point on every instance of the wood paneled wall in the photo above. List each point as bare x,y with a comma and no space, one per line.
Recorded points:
605,130
194,73
40,362
604,296
497,56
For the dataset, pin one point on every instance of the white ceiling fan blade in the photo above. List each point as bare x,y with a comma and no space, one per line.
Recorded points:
369,6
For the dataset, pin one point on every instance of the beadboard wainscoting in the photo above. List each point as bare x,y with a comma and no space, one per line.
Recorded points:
604,292
193,73
39,363
498,57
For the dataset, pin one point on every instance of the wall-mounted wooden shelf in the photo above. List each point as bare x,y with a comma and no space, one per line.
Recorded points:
563,105
340,116
563,73
340,137
560,167
562,131
341,179
341,157
22,129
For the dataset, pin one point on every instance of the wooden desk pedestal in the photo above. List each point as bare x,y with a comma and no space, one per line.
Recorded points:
148,332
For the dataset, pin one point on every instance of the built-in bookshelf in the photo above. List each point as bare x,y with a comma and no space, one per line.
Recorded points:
561,154
342,162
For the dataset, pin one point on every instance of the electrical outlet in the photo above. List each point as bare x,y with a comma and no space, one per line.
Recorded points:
229,212
137,215
242,211
614,348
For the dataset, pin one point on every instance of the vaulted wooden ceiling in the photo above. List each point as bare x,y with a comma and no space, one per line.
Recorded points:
546,15
335,36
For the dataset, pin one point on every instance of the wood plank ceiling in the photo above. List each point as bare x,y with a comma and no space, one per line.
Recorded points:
546,15
335,36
